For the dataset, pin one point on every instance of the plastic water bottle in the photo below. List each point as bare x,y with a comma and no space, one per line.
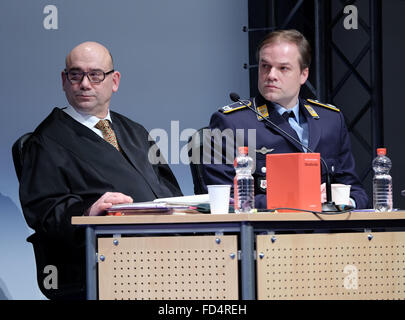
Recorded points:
244,188
382,182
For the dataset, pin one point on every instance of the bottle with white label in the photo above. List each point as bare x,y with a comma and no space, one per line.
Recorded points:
244,188
382,182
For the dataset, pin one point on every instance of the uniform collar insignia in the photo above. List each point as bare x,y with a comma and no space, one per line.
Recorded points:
262,110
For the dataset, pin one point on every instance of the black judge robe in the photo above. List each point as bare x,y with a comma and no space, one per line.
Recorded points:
67,167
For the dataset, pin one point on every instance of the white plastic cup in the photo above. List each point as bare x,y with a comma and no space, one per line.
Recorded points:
219,198
341,194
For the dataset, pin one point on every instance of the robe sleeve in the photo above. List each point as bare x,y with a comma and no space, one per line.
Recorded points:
47,201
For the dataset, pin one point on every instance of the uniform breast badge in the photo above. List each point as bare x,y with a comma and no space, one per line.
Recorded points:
264,150
263,184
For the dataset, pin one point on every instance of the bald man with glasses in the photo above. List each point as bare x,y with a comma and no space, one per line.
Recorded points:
81,160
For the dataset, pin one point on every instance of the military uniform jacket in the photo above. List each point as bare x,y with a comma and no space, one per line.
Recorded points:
67,167
328,136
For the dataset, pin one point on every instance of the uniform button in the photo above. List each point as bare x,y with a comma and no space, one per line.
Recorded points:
263,169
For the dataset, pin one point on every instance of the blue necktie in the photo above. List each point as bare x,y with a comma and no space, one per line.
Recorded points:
286,115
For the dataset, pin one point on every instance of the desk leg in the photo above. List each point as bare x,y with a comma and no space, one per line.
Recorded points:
91,264
247,261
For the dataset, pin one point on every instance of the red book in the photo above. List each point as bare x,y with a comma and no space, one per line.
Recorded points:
293,181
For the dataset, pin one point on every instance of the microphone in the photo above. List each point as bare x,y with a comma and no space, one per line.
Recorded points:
329,205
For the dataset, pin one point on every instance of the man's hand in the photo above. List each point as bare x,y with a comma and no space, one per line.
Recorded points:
323,192
106,201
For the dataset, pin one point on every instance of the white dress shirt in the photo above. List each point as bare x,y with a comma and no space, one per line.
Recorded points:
85,119
298,123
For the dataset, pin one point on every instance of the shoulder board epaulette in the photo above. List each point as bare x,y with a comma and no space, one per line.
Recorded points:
234,106
325,105
311,111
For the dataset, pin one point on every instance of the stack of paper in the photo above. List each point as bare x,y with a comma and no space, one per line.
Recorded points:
186,200
140,208
160,206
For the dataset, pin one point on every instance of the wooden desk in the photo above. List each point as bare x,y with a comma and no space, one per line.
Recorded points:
250,230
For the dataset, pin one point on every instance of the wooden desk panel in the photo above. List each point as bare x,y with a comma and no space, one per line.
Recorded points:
165,268
331,266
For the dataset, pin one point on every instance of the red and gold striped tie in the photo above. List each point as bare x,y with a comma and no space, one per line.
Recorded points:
108,133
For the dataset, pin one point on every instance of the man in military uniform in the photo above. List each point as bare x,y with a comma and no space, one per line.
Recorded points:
284,58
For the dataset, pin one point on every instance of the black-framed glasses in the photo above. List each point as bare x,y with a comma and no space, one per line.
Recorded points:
95,76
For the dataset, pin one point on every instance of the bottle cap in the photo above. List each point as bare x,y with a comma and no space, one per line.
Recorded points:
381,151
243,150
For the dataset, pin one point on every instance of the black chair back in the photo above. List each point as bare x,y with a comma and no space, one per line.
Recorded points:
195,153
17,152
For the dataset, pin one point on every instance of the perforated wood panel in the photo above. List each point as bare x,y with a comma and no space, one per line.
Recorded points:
191,267
331,266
